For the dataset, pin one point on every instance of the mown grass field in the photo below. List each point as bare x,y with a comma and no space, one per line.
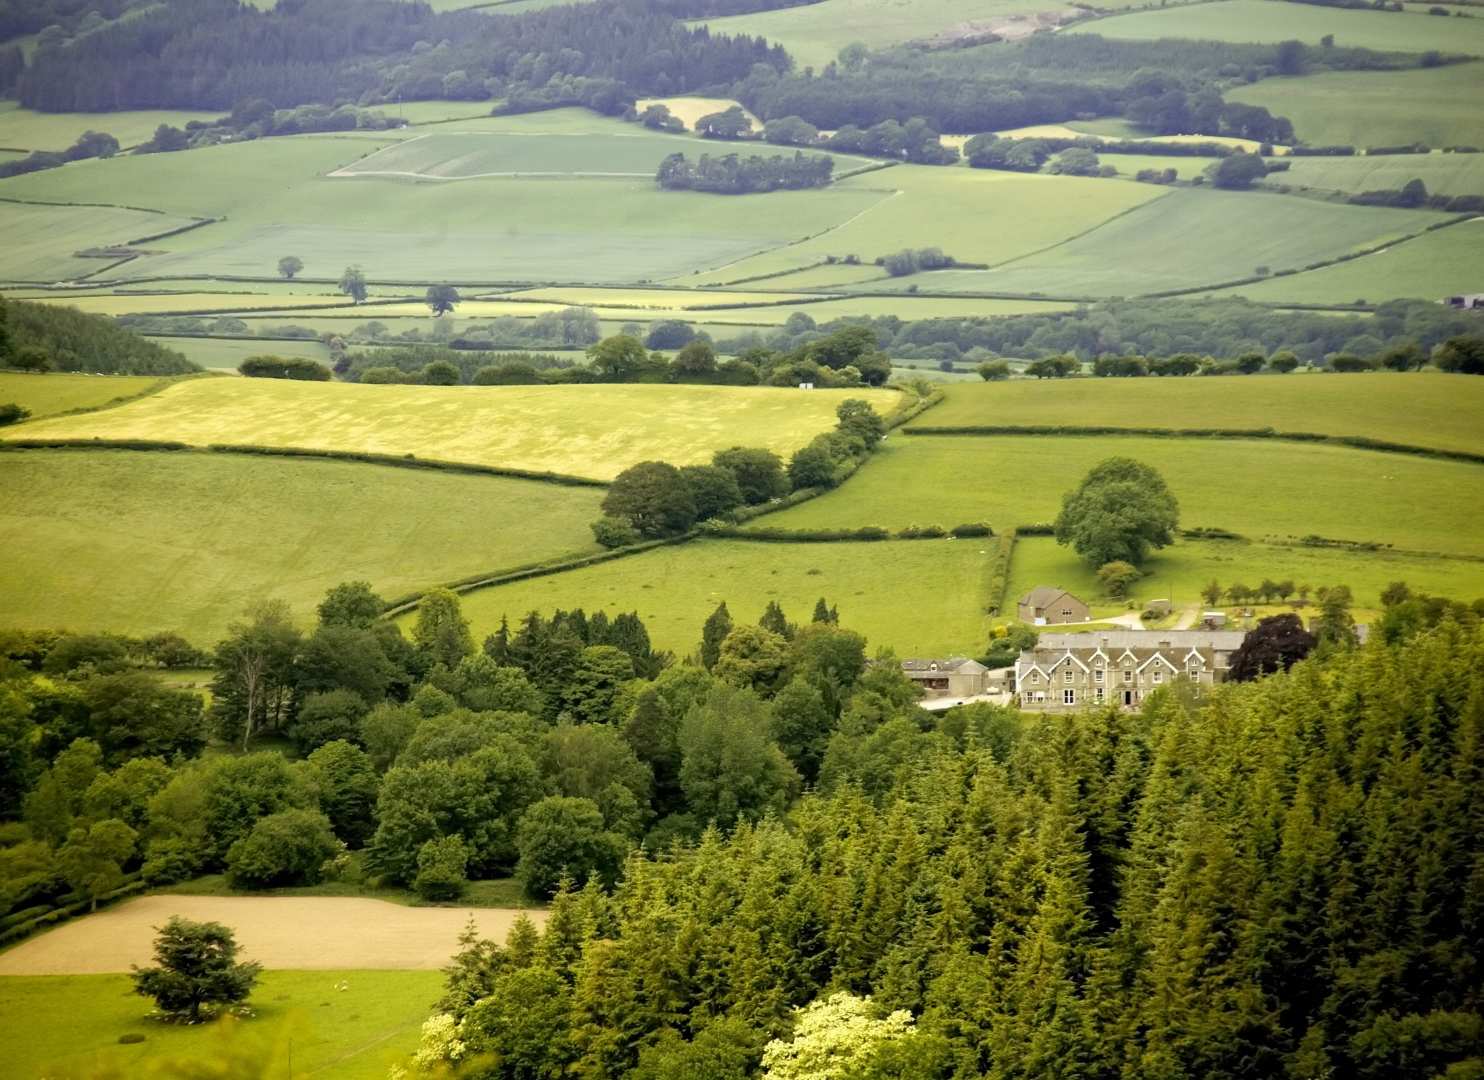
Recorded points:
1436,106
1272,21
1150,249
1444,174
1431,266
1257,488
1431,409
975,215
1179,572
26,129
138,542
41,241
47,395
225,353
355,1033
654,298
189,303
921,595
592,430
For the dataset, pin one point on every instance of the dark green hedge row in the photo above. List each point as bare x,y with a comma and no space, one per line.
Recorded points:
806,536
92,444
62,914
1210,533
405,461
999,571
1358,442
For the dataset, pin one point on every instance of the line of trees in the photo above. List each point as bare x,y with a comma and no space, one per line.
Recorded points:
732,174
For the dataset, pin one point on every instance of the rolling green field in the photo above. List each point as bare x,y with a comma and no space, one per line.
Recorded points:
26,129
41,241
47,395
187,303
589,430
1437,106
1272,21
355,1033
229,352
138,542
1252,487
1150,249
1431,409
1431,266
1444,174
1178,573
918,595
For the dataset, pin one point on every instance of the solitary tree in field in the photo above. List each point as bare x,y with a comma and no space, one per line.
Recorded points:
1119,512
441,298
290,265
353,283
195,965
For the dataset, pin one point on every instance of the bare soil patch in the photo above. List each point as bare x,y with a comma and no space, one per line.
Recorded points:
304,933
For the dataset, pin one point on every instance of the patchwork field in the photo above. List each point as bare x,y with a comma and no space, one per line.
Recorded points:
1150,249
190,303
350,1025
1436,106
139,542
47,395
1444,174
1431,266
591,430
922,595
1252,487
1272,21
41,241
1432,409
1179,572
26,129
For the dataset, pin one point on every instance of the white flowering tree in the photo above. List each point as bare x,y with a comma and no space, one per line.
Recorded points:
832,1036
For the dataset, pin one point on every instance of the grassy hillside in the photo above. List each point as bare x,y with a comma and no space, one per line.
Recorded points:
592,430
1252,487
1444,174
1150,249
26,129
227,353
1445,411
356,1033
921,595
1431,266
41,241
1436,106
139,542
47,395
1272,21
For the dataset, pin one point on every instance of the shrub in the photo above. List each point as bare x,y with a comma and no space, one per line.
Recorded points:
323,718
614,532
977,528
441,868
12,414
287,848
284,367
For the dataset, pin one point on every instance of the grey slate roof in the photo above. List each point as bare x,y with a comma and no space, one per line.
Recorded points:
1044,595
959,664
1221,640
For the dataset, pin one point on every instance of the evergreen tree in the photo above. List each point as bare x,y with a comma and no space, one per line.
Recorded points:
718,625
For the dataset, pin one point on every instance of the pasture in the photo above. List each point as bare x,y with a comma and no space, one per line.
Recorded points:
41,241
1268,22
350,1025
454,155
139,542
1431,409
1179,572
1437,106
26,129
922,595
53,393
1256,488
228,353
140,303
1430,266
590,430
1444,174
1150,250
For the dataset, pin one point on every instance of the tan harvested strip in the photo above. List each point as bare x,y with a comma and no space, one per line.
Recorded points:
304,933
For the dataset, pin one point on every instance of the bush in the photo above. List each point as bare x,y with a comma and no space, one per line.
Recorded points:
441,868
287,848
284,367
922,532
12,414
978,528
614,532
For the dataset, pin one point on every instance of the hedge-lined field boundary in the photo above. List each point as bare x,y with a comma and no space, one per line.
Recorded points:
15,930
1354,442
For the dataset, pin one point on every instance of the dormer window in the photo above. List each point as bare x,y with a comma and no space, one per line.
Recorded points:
1159,675
1067,675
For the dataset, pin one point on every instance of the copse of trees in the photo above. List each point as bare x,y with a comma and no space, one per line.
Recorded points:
734,175
41,337
90,144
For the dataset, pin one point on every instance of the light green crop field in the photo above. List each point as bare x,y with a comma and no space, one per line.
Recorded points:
653,298
1427,409
589,430
138,542
814,34
1433,265
25,129
1152,249
1444,174
903,307
41,241
187,303
1257,488
1437,106
1179,572
224,353
822,277
47,395
277,198
357,1032
975,215
1272,21
934,609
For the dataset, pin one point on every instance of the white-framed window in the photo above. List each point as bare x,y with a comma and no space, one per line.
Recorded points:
1128,676
1195,669
1097,661
1097,675
1159,675
1066,676
1069,697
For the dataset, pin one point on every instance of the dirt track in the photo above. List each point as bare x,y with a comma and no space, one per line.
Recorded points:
308,933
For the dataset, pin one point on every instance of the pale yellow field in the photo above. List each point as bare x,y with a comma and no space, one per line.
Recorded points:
690,109
594,431
1061,131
